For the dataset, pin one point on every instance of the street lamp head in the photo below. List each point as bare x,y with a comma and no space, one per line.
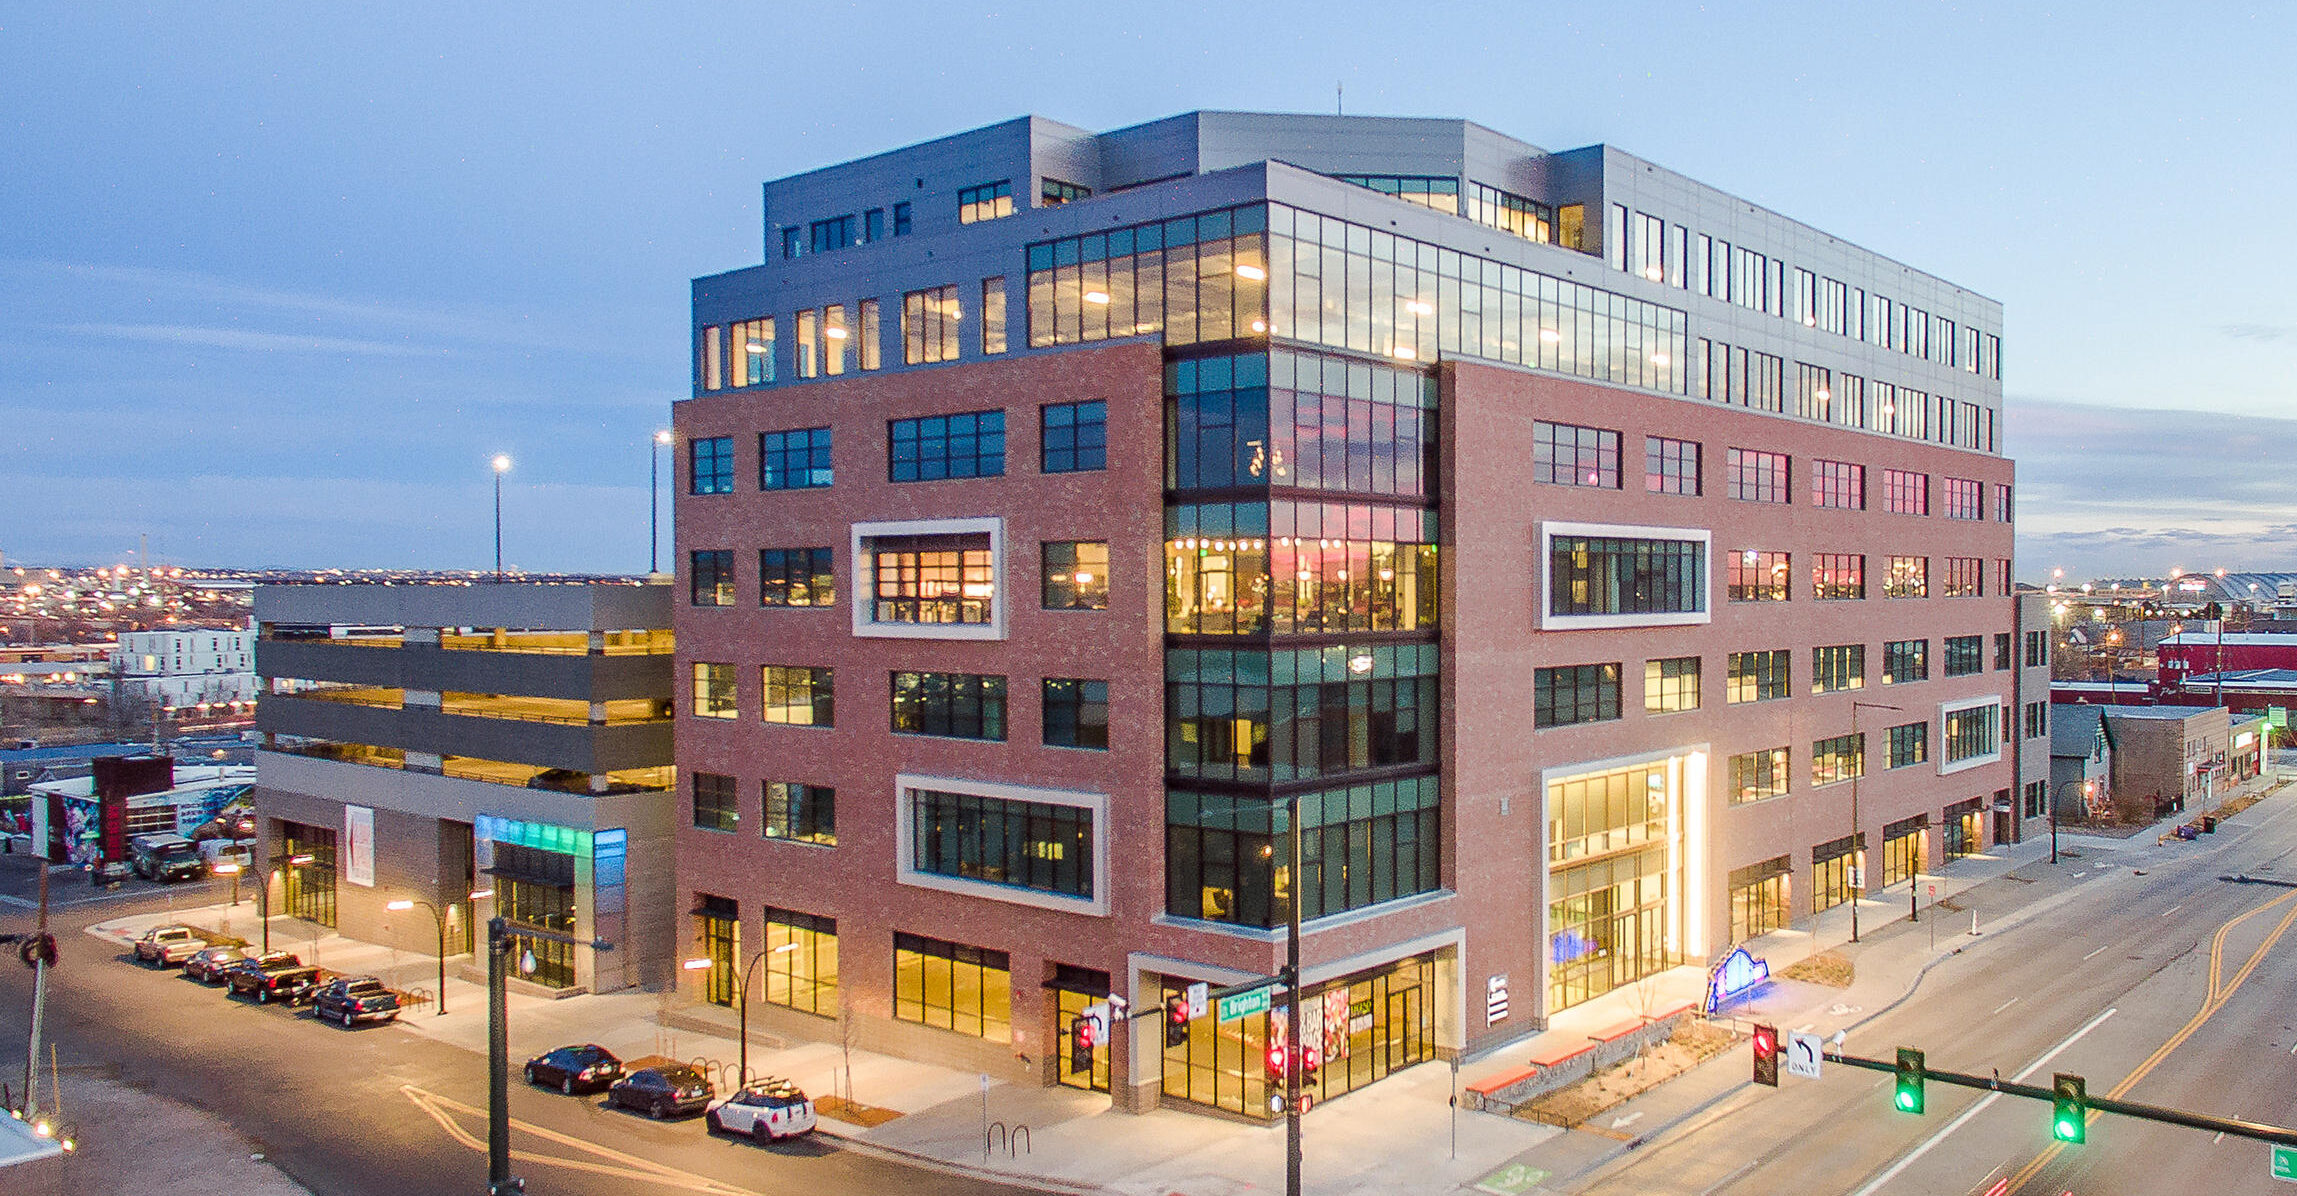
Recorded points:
662,437
502,463
299,859
481,894
695,965
398,905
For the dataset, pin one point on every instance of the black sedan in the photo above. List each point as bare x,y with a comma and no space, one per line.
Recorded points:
572,1069
659,1092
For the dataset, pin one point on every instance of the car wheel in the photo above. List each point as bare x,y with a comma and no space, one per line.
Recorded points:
347,1019
566,1085
710,1122
760,1132
657,1111
263,996
530,1073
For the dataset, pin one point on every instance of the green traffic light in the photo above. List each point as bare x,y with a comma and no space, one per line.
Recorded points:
2070,1121
1910,1075
1906,1101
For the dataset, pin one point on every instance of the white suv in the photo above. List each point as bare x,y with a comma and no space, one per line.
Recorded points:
765,1111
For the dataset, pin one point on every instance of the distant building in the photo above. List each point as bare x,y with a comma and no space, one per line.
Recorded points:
184,668
2081,763
2168,758
424,742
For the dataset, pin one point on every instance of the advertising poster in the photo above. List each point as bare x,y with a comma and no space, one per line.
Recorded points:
359,845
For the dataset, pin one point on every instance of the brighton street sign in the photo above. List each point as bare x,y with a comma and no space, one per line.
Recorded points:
2285,1163
1243,1004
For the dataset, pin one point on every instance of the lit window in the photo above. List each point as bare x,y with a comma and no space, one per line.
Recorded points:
985,202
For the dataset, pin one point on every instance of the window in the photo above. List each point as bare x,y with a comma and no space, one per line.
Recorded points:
834,339
933,579
901,219
712,371
1671,685
833,233
1837,667
1228,718
1073,437
2002,585
2037,719
954,987
985,202
1909,577
1757,775
1027,844
1905,492
929,321
711,464
798,696
801,962
1568,455
1076,713
1830,870
2001,650
1904,661
1442,194
1053,193
873,225
956,705
1909,744
1670,466
872,336
796,577
1758,476
793,242
1838,484
1962,578
796,460
1758,576
1584,693
2002,509
1837,759
968,445
1759,898
1961,498
800,813
753,352
1360,846
1529,219
1606,575
1836,576
993,315
1970,733
809,344
713,690
1965,655
1757,676
2037,649
715,802
712,577
1076,575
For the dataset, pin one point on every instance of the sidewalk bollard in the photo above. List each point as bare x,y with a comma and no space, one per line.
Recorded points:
1973,923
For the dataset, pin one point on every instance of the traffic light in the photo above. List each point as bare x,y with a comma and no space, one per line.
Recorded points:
1767,1055
2070,1109
1909,1080
1175,1021
1080,1045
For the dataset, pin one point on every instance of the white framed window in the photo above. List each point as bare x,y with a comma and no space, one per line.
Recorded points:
1601,575
930,579
1970,733
987,829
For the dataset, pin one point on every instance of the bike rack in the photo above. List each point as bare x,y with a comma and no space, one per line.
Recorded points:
1016,1138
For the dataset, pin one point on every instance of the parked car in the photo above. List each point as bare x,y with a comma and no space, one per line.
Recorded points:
661,1091
165,946
166,858
269,979
767,1110
350,1000
572,1069
209,966
107,873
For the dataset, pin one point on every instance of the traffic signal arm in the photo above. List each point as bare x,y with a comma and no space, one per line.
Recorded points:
2096,1104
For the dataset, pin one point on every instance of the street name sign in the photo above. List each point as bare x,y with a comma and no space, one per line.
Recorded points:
1243,1004
2285,1163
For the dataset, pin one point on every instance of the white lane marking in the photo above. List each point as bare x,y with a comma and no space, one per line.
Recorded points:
1875,1185
2086,957
2005,1005
2173,909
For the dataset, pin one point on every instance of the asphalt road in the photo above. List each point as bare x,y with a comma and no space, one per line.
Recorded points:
374,1110
2171,988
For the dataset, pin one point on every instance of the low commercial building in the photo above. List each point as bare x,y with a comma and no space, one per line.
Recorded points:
425,742
2081,763
2167,758
185,668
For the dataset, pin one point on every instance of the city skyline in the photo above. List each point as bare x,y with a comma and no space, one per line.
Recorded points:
328,295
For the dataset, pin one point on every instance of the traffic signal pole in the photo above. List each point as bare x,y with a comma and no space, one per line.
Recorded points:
2206,1122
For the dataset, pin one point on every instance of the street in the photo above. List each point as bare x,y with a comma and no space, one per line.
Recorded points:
2158,982
376,1110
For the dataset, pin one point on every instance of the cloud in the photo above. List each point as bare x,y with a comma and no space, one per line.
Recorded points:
241,339
2258,332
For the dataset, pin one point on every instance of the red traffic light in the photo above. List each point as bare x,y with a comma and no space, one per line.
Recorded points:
1767,1055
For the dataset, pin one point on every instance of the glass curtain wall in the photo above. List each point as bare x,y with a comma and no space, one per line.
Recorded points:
1614,858
1356,1029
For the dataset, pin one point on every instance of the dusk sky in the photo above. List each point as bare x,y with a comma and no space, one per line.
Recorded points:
277,280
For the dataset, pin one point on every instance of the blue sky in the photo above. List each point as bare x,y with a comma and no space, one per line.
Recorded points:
277,280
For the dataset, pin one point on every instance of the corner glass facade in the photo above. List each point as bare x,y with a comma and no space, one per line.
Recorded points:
1615,846
1355,1030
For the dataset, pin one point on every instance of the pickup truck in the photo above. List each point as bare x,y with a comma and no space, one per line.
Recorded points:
349,1000
285,980
167,946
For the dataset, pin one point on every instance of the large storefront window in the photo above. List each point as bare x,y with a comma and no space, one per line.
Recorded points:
801,962
1227,860
1965,825
1831,865
1076,990
951,986
1902,848
535,887
308,888
1760,898
1358,1030
1301,713
1299,568
1614,912
718,938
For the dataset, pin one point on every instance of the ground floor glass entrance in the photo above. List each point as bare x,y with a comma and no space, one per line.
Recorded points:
1357,1029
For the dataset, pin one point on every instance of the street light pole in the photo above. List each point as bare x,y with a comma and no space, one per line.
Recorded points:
1296,1052
654,501
1859,745
440,921
500,945
501,467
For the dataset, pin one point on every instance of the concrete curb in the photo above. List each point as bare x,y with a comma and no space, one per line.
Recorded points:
936,1163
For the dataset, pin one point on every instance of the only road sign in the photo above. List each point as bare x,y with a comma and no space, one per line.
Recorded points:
1802,1054
1243,1004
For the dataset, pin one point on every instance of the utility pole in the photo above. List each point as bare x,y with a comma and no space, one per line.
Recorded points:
41,950
500,946
1856,852
1296,1051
